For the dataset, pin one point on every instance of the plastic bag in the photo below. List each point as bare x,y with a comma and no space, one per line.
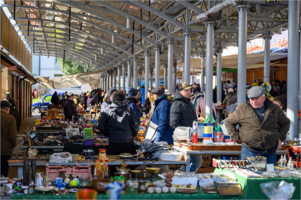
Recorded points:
278,190
63,157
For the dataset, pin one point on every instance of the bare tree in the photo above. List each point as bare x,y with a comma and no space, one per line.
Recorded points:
42,90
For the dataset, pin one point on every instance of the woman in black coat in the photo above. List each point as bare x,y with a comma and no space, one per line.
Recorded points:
55,99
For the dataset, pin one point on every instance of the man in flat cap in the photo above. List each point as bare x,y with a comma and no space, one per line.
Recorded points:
161,116
8,136
258,121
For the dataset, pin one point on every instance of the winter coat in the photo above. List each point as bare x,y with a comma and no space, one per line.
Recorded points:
197,89
8,133
132,101
119,123
105,104
55,99
146,106
262,136
70,110
161,118
182,112
143,95
84,99
230,99
91,101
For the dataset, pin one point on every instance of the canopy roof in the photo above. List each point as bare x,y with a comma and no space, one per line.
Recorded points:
102,34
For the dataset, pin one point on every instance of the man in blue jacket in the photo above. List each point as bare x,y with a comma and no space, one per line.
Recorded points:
161,116
132,101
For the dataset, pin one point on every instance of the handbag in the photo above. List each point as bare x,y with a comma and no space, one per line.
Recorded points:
151,131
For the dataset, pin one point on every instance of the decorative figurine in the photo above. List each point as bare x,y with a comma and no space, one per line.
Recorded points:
168,179
39,180
67,180
101,165
47,180
38,122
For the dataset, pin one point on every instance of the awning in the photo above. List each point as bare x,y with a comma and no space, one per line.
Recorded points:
23,72
91,78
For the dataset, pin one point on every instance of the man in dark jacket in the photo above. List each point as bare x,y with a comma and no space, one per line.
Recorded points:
120,124
109,99
84,100
8,136
258,121
182,113
132,101
69,109
161,116
55,99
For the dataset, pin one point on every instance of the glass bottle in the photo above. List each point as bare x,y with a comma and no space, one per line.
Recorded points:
284,160
281,161
290,164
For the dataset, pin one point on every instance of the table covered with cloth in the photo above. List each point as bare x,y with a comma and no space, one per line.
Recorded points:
129,195
251,186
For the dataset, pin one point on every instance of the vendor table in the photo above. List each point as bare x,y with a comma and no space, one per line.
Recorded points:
114,163
251,186
129,195
211,150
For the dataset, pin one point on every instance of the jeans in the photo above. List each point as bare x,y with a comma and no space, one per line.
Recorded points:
246,152
196,162
4,165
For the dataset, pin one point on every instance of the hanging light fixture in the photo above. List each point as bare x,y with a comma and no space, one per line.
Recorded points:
128,23
113,39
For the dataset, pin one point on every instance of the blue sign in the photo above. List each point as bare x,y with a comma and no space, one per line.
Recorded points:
278,19
233,18
274,1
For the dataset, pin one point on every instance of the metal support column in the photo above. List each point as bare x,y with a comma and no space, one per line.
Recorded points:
292,67
146,73
242,53
118,75
129,77
183,72
174,78
170,67
123,76
114,77
140,78
165,75
157,67
135,76
187,58
209,68
203,72
151,70
266,74
219,81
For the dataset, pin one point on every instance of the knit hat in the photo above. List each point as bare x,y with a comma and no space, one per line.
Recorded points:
111,90
5,104
132,92
118,97
158,90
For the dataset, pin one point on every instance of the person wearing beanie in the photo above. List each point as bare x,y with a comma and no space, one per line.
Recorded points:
132,101
161,116
119,122
109,98
257,121
8,136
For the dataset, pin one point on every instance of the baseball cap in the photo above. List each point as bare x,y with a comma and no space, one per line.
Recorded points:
184,86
